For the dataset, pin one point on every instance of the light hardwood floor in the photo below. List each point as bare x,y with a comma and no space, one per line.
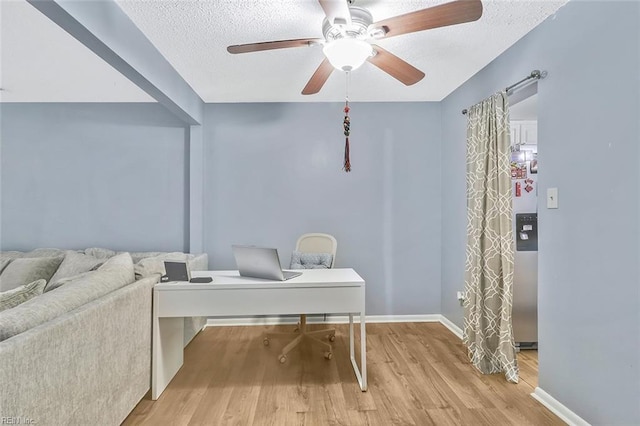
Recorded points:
528,363
419,374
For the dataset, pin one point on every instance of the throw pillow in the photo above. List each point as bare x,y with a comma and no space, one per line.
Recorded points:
10,255
137,256
12,298
45,252
26,270
73,264
100,253
300,260
62,281
120,263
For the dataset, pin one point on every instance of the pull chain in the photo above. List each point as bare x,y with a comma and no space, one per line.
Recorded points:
347,126
346,89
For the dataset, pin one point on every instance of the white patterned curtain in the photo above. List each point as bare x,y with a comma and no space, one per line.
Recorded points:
488,333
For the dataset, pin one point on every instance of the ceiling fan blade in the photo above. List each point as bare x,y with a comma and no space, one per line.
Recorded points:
337,11
395,67
271,45
318,78
455,12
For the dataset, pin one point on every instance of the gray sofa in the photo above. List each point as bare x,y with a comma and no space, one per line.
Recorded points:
81,353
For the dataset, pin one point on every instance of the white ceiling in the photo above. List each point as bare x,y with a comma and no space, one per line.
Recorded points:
42,63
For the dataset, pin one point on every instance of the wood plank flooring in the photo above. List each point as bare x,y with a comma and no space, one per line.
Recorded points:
528,363
419,374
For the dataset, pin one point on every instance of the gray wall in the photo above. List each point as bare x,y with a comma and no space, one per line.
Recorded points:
588,130
79,175
273,172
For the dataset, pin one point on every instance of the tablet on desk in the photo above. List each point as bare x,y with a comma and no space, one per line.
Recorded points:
175,271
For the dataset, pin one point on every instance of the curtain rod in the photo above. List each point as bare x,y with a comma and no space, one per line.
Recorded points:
535,74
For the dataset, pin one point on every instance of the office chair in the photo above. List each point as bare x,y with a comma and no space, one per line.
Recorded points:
310,243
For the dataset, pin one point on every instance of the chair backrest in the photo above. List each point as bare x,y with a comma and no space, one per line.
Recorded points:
318,243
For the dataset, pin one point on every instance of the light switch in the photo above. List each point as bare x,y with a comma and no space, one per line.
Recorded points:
552,198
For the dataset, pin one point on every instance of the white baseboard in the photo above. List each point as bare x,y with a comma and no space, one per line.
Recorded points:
402,318
565,414
319,319
451,326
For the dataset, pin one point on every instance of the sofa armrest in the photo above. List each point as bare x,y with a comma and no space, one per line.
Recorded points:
89,366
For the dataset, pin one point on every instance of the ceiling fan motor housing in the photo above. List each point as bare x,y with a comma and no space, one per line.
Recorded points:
359,28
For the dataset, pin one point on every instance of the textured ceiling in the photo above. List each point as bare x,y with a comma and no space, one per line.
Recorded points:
40,62
193,36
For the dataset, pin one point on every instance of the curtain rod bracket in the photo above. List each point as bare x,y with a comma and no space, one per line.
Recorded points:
535,75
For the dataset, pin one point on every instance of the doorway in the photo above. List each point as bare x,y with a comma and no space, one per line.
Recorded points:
524,179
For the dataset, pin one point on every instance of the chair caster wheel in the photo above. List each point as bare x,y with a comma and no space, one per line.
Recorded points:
265,341
283,359
328,355
332,338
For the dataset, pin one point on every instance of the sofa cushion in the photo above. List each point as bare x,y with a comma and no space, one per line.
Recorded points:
100,253
10,254
300,260
155,265
4,263
12,298
137,256
114,274
52,285
73,264
44,252
114,263
24,270
120,263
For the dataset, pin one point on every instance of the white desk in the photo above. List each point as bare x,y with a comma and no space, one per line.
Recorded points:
316,291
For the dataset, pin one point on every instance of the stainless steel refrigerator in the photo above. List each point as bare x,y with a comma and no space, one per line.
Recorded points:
525,281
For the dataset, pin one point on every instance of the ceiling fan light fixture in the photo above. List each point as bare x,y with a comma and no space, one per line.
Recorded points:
347,54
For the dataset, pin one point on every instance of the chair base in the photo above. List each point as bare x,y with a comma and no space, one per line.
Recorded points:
301,334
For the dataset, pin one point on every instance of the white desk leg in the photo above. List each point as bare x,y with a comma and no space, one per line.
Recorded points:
167,352
361,373
352,353
363,351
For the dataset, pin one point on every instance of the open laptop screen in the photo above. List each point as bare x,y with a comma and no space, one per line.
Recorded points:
260,262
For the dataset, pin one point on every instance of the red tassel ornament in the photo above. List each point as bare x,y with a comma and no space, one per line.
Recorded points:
347,126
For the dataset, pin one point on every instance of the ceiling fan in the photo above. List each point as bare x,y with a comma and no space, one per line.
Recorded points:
349,33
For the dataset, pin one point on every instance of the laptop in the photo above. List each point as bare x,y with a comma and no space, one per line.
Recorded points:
261,262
